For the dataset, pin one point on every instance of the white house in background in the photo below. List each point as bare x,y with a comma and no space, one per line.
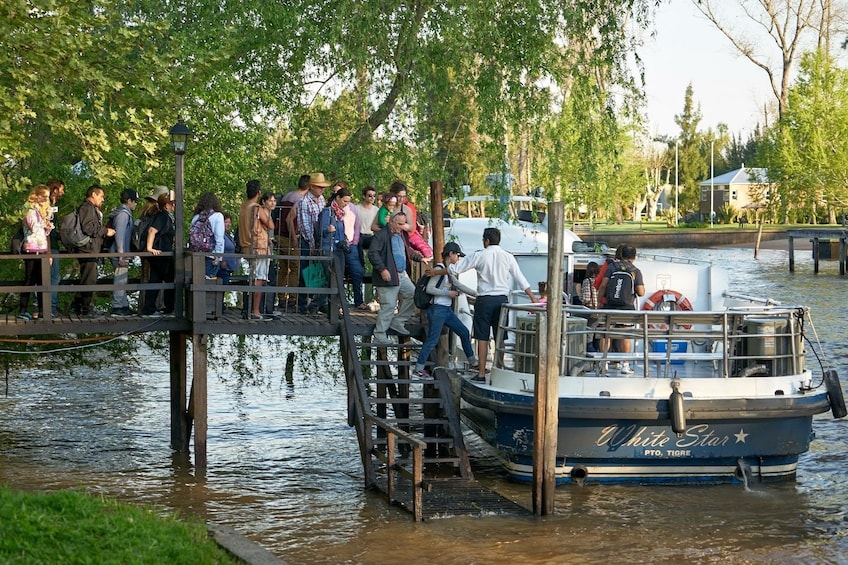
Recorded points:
748,186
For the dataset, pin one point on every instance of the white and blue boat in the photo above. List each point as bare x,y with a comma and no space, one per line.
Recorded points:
724,387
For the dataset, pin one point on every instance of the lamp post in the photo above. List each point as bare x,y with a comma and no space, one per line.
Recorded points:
676,182
180,134
712,176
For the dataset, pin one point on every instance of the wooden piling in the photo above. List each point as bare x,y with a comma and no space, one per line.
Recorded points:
180,427
199,348
546,421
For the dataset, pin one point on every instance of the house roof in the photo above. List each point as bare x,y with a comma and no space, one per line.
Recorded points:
745,175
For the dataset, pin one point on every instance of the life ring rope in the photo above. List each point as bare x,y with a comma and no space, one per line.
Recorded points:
658,298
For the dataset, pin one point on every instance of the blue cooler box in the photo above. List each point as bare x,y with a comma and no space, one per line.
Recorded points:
676,347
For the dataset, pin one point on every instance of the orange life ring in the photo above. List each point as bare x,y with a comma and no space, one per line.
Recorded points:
654,301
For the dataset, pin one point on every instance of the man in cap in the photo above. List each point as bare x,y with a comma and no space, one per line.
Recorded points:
308,209
121,219
444,289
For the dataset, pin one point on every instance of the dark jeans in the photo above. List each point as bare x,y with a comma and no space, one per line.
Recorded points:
55,276
161,270
88,276
353,267
32,277
302,298
438,317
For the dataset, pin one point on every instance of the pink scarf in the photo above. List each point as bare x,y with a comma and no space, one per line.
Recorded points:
340,212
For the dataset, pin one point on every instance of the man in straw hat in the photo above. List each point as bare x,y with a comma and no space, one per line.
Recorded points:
307,215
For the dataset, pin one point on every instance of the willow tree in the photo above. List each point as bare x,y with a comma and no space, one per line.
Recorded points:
100,82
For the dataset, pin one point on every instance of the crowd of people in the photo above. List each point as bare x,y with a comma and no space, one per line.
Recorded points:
316,219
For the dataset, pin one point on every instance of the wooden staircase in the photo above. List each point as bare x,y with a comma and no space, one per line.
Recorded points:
408,428
423,408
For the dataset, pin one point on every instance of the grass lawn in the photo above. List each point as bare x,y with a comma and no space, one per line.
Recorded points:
74,527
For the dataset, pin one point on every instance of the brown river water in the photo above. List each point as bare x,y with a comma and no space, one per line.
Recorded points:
284,468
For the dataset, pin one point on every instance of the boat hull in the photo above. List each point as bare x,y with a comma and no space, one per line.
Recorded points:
631,440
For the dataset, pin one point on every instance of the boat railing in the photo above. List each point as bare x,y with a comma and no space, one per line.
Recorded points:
736,342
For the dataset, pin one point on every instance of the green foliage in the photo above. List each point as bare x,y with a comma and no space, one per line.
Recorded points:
669,215
365,91
73,527
807,152
727,213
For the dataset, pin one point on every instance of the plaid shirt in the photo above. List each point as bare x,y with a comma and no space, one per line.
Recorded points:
307,215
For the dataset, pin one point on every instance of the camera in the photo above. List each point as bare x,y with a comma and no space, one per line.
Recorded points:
344,246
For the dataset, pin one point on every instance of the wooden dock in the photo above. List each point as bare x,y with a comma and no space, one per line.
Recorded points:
408,428
821,239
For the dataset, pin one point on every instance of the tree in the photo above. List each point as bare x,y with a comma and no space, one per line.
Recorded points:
807,151
691,163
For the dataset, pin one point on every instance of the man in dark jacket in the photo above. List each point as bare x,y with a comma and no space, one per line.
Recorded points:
91,222
390,257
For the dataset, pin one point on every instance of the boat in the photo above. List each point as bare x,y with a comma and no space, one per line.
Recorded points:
721,390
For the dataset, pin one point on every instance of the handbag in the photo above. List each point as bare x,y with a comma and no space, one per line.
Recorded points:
314,276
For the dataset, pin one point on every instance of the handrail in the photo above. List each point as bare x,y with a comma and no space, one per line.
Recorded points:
393,468
738,341
194,270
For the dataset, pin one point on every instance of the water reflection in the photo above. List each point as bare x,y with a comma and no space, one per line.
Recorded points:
284,468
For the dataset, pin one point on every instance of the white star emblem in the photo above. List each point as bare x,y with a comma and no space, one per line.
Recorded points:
740,437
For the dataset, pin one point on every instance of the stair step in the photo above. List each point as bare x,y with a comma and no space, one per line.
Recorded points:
399,381
409,345
385,363
406,401
420,421
381,441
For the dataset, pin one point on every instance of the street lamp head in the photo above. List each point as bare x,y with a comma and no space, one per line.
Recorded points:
180,134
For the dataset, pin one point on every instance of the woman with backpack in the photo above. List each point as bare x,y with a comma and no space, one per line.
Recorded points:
444,289
206,231
37,224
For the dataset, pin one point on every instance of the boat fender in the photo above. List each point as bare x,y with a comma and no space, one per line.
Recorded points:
660,297
834,391
743,471
579,474
677,409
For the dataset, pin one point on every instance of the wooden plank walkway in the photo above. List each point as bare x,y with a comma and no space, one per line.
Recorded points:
231,322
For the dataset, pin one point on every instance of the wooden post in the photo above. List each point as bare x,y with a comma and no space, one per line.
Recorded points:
791,254
547,374
842,255
179,420
437,217
442,351
540,405
759,237
199,344
816,255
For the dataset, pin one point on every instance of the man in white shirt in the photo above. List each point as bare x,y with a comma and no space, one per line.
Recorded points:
497,274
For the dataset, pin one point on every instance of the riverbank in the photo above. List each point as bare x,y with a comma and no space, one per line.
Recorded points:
70,526
685,238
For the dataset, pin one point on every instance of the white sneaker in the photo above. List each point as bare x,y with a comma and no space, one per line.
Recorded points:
625,369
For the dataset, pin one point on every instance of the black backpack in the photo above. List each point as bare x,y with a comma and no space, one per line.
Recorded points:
138,238
621,286
71,232
421,297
